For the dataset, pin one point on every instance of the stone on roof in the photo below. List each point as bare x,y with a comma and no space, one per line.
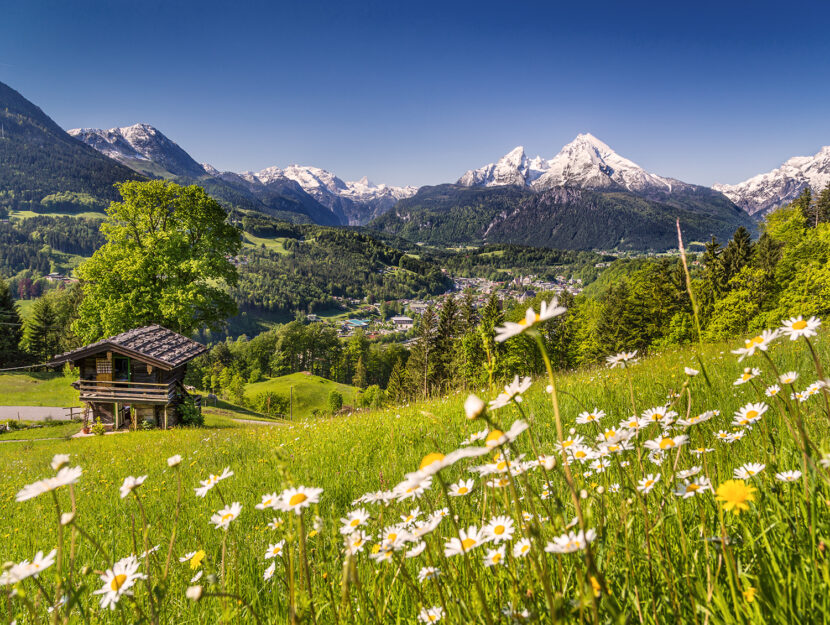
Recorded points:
154,344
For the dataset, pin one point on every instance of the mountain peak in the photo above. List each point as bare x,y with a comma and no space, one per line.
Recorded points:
766,192
143,148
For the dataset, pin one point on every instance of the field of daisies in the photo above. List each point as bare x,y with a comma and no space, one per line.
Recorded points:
690,486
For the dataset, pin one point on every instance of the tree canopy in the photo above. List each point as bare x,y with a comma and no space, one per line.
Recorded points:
166,260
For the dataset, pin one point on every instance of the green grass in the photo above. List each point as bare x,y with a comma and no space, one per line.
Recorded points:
310,392
37,389
274,245
667,566
40,431
86,214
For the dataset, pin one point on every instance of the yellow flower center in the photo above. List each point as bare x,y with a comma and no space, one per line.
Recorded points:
467,544
657,416
496,558
666,443
799,325
118,581
691,488
758,340
429,459
297,499
610,434
751,414
227,517
463,490
492,437
355,522
391,537
649,483
523,322
525,548
501,466
567,443
746,376
498,530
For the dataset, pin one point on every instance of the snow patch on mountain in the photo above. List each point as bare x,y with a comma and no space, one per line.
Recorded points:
585,162
765,192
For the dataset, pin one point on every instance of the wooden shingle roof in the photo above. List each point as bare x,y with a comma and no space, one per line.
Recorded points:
153,344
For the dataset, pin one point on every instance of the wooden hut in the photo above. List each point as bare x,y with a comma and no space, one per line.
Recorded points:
136,375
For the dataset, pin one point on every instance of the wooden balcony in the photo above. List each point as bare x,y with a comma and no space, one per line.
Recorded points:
126,392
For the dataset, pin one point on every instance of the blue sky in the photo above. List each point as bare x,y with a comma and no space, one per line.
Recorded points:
418,92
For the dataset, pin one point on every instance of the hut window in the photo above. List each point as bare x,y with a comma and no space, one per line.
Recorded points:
102,365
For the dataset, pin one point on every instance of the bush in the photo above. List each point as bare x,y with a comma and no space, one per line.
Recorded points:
99,429
11,425
189,415
335,401
148,424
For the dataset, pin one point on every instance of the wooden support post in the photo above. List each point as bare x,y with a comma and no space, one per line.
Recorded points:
115,417
165,416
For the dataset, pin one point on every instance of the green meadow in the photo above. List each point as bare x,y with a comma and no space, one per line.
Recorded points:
310,392
657,557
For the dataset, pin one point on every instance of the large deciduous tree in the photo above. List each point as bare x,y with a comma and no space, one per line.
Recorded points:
167,260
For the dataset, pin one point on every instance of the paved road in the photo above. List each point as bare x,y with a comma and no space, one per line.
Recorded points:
34,413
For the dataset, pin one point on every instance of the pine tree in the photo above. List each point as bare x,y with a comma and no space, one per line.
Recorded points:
445,340
10,327
804,203
768,254
737,253
467,314
359,379
421,364
396,388
822,206
40,336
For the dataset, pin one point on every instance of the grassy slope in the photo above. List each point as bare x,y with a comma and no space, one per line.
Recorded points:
347,457
37,389
310,391
53,430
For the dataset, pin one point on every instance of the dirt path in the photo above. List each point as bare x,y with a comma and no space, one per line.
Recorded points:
252,422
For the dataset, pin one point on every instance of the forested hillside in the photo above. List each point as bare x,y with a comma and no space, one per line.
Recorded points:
562,217
38,159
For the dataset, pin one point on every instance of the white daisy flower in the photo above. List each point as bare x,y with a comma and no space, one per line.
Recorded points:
499,529
297,499
212,481
65,477
748,470
428,572
269,501
466,541
788,378
623,359
274,550
269,572
430,615
356,541
223,518
760,342
664,443
590,417
474,407
512,391
354,520
118,581
646,484
749,414
461,488
416,550
795,327
521,548
174,461
130,484
694,487
494,557
788,476
59,461
772,390
687,473
570,542
747,375
547,311
690,372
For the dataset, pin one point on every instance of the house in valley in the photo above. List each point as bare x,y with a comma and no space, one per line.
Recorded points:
134,376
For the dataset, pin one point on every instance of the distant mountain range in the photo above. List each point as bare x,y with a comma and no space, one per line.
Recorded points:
762,193
323,197
586,196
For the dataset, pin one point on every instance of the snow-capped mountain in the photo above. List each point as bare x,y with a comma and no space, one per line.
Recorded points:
141,147
355,202
765,192
147,150
585,162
